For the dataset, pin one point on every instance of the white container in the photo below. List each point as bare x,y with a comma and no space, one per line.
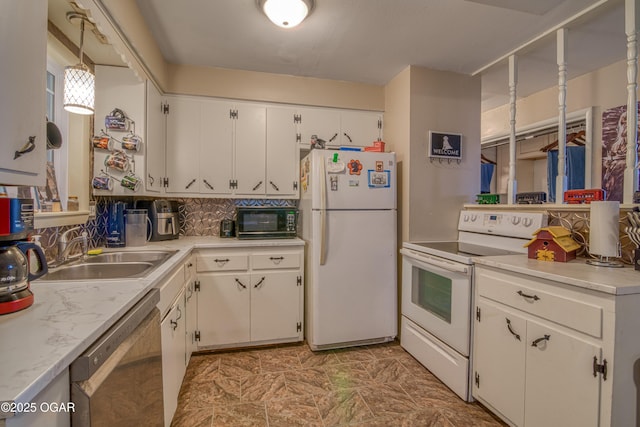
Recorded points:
136,227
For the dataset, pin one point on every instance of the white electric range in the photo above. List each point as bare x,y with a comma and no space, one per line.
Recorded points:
437,289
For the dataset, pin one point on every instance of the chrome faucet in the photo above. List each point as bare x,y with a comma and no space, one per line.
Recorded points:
65,245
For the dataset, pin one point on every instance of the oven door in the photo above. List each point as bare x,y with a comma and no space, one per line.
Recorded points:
436,295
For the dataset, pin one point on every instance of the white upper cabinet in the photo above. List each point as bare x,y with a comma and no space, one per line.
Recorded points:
360,128
282,152
339,127
216,148
250,149
183,145
324,123
156,139
23,88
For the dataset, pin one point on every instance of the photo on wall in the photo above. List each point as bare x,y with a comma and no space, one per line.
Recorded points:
614,151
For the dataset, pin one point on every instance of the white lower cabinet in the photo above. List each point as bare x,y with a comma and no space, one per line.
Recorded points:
174,362
550,354
553,376
249,297
224,308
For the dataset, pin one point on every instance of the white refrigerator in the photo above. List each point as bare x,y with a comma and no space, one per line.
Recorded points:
348,214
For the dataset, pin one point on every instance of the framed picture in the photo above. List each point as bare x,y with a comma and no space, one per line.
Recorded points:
445,145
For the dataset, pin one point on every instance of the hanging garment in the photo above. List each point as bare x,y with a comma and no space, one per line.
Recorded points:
575,169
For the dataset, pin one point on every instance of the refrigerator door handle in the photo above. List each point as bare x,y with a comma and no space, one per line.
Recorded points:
323,211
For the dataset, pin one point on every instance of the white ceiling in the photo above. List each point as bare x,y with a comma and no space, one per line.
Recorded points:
370,41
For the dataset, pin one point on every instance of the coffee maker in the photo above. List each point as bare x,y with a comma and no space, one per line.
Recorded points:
15,253
164,219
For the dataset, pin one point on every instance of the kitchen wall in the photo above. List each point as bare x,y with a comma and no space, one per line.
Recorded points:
601,89
432,191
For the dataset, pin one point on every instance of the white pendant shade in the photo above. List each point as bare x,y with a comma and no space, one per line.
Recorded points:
79,90
286,13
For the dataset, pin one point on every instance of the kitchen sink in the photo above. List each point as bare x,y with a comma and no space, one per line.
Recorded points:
110,265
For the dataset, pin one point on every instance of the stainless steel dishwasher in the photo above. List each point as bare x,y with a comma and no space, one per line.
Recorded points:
118,380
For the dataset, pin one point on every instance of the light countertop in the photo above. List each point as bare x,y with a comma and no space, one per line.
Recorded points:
614,281
40,342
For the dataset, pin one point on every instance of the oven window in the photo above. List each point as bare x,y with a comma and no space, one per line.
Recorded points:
260,222
432,292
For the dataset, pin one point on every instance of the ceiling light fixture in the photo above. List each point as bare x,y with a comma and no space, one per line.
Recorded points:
286,13
79,81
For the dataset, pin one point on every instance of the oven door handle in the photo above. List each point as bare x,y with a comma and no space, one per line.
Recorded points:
437,262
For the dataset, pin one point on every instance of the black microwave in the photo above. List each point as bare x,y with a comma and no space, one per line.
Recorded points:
267,223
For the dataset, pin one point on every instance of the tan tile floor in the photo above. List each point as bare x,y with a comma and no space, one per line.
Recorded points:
290,385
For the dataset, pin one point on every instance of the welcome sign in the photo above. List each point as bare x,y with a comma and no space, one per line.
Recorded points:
445,145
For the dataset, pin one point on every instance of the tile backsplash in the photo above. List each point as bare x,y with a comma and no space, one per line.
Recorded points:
197,217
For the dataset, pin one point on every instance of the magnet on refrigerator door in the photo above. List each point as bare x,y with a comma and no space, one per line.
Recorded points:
355,167
379,179
334,183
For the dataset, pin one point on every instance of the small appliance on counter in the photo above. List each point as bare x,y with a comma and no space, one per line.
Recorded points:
227,228
15,276
267,223
163,215
115,225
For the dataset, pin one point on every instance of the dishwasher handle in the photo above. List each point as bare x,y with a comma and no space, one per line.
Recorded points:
97,354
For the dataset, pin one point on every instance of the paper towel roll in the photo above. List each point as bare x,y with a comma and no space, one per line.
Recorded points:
604,229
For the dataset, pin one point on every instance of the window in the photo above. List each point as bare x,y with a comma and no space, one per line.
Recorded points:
56,159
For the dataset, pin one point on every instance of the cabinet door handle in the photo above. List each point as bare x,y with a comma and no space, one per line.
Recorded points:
260,282
533,297
179,314
209,186
333,137
241,284
151,180
274,186
257,186
174,324
511,330
539,340
348,137
190,184
26,148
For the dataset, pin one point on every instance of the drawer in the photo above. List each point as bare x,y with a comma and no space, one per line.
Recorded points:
562,307
222,262
169,289
275,260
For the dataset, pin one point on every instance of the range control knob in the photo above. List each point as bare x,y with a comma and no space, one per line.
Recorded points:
527,222
515,220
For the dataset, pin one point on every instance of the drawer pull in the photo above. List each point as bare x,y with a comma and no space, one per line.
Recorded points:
539,340
260,282
533,297
276,259
221,262
511,330
241,284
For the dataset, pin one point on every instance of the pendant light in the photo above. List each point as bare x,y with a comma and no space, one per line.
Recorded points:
79,81
286,13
